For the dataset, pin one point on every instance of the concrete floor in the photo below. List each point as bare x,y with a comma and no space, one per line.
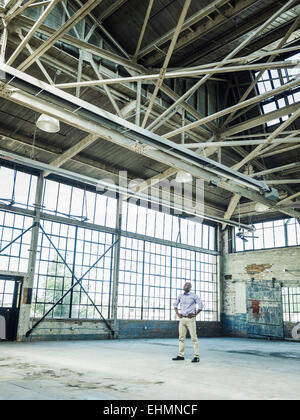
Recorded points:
230,368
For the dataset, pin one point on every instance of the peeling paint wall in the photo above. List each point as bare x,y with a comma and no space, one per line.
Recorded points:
258,271
263,266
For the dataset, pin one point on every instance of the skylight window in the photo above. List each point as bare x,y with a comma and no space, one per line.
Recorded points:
272,79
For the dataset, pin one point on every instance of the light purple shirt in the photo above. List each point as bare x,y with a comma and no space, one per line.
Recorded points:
188,303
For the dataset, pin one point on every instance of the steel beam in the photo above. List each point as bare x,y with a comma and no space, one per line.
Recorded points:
283,181
17,9
205,78
109,121
3,41
182,74
111,9
76,120
269,139
24,316
166,60
293,165
72,151
77,283
245,142
226,111
194,19
146,19
105,54
64,29
277,152
270,59
33,30
116,268
259,120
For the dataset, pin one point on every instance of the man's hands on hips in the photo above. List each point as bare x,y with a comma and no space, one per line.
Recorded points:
191,315
177,313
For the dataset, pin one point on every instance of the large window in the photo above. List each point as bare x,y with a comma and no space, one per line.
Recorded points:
291,304
160,225
158,253
17,188
152,276
14,257
80,248
272,234
272,79
77,203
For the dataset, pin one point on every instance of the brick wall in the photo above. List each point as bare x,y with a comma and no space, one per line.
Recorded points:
264,265
58,329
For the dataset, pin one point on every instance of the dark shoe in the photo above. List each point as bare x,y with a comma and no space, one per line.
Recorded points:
178,358
196,360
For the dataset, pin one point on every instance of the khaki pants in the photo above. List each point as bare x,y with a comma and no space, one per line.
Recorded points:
184,325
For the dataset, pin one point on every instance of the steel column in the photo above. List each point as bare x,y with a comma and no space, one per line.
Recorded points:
24,317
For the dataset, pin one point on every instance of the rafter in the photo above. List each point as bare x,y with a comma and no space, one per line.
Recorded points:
236,36
98,23
116,59
278,152
270,59
38,62
229,56
17,9
189,37
3,41
77,17
259,120
107,90
33,30
72,151
269,139
167,59
289,198
147,16
181,74
117,4
240,105
245,142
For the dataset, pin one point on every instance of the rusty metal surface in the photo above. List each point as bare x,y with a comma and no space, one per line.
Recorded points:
264,310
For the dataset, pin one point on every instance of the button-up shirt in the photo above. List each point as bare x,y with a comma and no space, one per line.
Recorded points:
188,302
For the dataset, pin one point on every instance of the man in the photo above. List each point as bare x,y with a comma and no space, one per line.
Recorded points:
187,320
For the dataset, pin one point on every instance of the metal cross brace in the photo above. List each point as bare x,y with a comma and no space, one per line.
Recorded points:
78,282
